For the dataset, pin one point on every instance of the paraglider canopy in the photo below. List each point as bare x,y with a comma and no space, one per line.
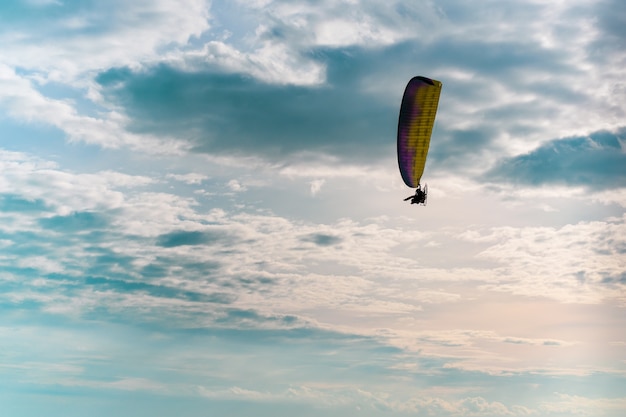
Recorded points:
415,126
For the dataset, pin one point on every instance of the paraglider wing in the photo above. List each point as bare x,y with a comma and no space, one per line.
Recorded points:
415,125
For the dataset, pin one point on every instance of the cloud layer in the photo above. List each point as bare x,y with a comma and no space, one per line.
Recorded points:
200,209
595,161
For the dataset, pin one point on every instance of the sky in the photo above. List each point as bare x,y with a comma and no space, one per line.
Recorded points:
201,210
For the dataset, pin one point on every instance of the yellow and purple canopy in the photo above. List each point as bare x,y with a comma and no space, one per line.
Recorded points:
415,125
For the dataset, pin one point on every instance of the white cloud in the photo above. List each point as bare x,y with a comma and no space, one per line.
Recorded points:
584,406
24,102
96,37
190,178
316,186
569,263
71,48
268,61
63,191
236,186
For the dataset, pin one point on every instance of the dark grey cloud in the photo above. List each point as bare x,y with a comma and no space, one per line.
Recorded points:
322,239
516,341
75,222
225,113
610,17
597,161
260,284
184,238
458,148
619,279
154,271
238,317
109,262
16,203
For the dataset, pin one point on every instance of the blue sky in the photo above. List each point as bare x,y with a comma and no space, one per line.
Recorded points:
201,211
